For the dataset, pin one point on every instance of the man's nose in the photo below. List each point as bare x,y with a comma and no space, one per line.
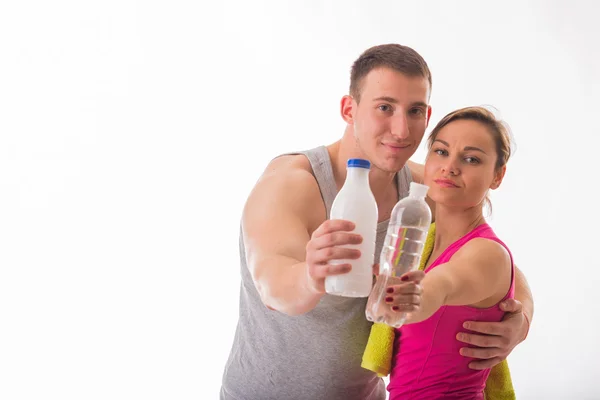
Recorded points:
400,127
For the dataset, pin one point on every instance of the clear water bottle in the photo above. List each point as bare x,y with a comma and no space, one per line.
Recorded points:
401,252
355,202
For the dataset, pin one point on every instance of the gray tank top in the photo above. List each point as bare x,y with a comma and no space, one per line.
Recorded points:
312,356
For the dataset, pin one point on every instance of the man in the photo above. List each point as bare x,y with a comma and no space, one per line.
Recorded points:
293,341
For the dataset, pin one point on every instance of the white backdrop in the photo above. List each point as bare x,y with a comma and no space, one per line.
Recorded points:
131,133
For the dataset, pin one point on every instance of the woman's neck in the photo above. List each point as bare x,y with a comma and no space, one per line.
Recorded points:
451,224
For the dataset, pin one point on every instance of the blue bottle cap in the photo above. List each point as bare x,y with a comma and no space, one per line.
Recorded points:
359,162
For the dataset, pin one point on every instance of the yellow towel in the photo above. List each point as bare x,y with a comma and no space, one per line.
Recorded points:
498,385
378,352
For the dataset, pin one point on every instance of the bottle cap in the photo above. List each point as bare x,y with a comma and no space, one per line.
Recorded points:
359,162
418,190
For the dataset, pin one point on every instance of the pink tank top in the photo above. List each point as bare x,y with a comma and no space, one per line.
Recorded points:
427,363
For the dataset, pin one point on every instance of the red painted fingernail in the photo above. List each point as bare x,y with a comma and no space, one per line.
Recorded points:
395,308
404,278
389,299
390,290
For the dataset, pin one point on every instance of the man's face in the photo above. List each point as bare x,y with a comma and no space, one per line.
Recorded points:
391,118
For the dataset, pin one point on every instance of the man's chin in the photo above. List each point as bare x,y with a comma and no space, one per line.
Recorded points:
394,164
389,166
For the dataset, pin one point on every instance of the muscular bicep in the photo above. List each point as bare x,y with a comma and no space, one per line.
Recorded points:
521,284
523,292
276,222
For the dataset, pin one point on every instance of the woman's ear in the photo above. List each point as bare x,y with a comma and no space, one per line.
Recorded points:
498,176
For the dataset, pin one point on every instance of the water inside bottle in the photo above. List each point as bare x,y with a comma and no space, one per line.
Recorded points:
401,253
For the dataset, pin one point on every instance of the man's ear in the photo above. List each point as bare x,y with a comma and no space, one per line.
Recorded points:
428,115
347,109
498,176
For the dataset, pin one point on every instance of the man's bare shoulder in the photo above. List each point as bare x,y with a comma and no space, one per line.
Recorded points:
288,163
416,170
289,172
288,187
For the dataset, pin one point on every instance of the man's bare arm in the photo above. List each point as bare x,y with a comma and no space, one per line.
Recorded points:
275,226
416,170
525,297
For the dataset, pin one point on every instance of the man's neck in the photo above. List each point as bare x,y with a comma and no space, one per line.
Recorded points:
383,184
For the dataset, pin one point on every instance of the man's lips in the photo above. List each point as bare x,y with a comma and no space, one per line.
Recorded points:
397,146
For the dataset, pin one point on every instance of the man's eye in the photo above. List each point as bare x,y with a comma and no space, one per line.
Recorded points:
417,111
385,108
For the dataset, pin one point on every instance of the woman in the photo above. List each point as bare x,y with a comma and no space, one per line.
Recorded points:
470,270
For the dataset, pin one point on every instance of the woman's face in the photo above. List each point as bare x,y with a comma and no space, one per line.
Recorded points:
461,165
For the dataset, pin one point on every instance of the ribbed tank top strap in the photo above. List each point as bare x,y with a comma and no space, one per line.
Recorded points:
323,173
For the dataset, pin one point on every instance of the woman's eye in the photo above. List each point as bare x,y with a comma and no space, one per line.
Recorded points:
472,160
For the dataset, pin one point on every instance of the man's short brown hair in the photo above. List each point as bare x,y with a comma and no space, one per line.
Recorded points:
395,56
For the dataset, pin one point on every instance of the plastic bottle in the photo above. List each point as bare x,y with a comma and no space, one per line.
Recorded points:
401,252
355,202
